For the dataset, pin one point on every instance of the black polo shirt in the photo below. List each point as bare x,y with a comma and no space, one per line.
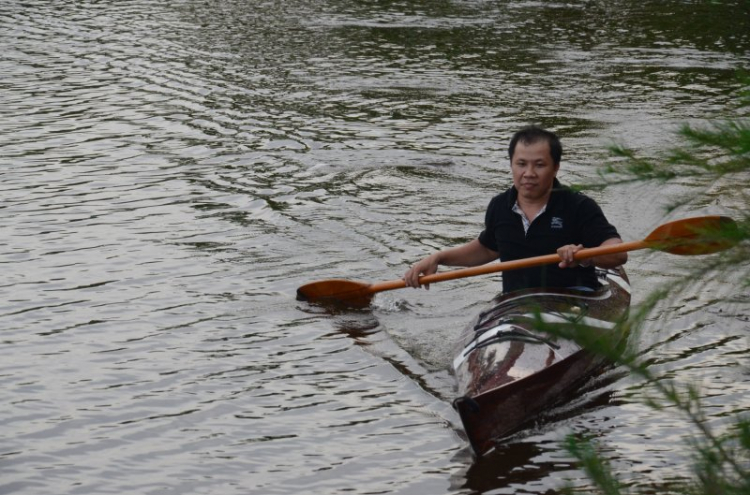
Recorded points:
570,218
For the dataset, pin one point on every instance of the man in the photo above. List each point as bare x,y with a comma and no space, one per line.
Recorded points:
535,217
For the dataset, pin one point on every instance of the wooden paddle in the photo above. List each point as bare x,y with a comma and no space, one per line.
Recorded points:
691,236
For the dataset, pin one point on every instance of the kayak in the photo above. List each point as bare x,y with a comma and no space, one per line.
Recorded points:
508,370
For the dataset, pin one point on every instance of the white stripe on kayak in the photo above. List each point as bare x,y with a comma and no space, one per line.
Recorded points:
573,318
488,334
616,279
545,317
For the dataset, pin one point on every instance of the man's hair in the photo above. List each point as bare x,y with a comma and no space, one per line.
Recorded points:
532,134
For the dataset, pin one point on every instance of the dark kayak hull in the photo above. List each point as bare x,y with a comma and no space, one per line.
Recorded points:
508,371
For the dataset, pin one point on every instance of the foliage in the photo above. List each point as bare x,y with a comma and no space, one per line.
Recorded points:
718,152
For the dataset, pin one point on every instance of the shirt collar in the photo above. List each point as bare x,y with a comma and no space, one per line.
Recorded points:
526,221
556,186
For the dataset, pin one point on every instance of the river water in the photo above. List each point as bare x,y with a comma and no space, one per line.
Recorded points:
171,172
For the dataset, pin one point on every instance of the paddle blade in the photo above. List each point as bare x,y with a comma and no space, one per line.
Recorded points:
694,236
357,293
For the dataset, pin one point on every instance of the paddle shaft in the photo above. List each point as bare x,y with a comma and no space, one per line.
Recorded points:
510,265
690,236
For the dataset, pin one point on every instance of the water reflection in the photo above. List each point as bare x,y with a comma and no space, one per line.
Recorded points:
515,465
171,173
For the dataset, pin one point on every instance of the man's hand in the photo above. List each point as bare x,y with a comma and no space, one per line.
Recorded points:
567,253
473,253
426,266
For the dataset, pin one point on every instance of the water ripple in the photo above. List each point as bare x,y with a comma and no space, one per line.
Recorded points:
171,173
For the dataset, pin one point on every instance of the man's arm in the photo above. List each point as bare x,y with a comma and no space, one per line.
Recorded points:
472,253
603,261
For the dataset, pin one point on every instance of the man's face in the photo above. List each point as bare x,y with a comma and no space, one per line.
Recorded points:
533,170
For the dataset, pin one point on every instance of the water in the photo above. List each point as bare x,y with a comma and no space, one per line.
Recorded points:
172,172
